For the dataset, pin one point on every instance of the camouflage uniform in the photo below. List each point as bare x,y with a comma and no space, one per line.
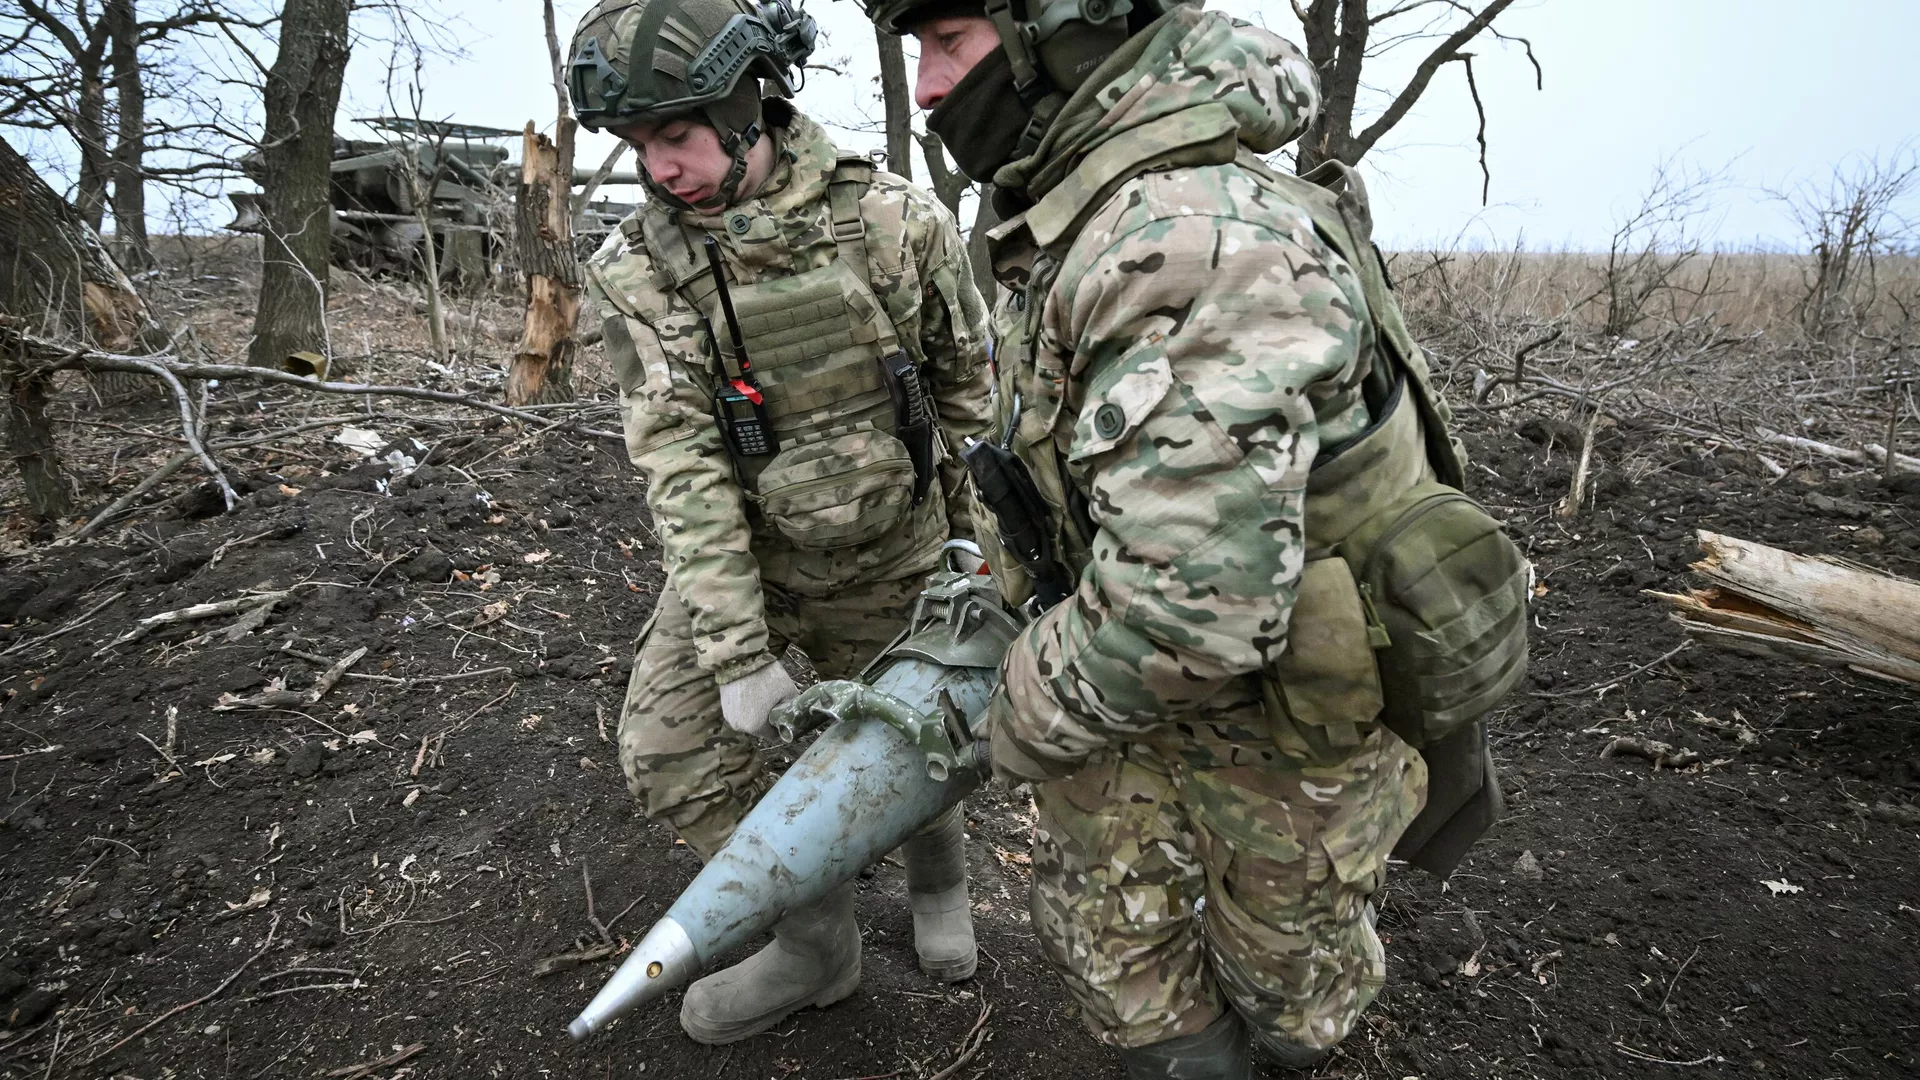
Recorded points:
739,588
1182,344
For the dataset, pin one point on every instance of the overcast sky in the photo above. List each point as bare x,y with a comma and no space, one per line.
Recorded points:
1770,92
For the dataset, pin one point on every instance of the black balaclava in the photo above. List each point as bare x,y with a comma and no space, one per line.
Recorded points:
982,118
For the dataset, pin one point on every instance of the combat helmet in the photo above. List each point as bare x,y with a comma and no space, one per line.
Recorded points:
659,60
1049,47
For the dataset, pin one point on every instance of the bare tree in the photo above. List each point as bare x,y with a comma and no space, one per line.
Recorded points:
1652,247
302,92
64,85
129,143
88,71
1343,35
542,367
897,98
1851,223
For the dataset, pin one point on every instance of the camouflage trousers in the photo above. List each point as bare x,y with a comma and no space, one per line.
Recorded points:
684,764
1178,877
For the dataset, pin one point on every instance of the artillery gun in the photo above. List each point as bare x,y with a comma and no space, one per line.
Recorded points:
467,183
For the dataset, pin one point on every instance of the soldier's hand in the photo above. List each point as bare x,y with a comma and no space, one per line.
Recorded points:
747,702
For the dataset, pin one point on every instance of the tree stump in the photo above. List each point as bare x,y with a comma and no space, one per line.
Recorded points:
542,367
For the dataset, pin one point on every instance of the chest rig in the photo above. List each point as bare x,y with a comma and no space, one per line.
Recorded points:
824,414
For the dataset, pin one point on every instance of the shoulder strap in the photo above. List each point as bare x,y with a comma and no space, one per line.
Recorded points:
851,178
1335,197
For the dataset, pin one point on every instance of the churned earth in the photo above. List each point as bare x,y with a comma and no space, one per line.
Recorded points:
215,864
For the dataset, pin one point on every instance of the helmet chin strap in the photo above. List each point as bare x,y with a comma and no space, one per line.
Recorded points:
1030,79
738,145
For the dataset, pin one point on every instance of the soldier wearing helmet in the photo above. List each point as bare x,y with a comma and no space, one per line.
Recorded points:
1206,384
799,344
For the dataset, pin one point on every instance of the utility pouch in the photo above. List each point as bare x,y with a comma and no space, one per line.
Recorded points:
1007,488
848,488
1450,592
912,421
1323,696
741,411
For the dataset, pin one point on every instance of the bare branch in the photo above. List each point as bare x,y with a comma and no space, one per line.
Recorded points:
1448,51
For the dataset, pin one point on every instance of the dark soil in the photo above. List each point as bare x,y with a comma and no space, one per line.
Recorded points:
389,863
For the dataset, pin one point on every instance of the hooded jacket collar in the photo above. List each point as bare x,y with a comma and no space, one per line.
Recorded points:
1187,59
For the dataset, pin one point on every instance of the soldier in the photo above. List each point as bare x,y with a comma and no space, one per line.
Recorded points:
1204,389
798,340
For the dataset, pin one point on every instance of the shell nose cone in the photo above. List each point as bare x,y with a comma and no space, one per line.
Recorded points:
664,960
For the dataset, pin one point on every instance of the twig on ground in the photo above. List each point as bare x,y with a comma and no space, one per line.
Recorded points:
1599,687
356,1072
1867,458
504,695
76,624
409,680
305,971
59,1025
303,988
566,961
970,1045
29,753
175,463
189,424
240,541
172,761
194,612
201,1000
332,675
1632,1053
1660,753
1577,494
31,799
278,698
1675,981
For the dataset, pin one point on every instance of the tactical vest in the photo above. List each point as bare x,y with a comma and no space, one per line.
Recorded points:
1411,609
830,470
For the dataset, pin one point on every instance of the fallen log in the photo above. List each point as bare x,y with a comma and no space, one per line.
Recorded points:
1820,609
1874,455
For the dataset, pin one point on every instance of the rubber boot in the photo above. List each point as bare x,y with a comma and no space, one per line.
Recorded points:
814,959
936,861
1283,1052
1216,1052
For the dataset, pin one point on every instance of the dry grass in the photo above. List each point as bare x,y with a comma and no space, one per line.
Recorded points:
1716,346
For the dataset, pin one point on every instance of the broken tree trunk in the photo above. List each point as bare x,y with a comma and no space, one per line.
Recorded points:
1823,610
57,281
542,370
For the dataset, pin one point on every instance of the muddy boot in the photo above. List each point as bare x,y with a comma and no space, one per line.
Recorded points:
1217,1052
814,959
936,862
1283,1052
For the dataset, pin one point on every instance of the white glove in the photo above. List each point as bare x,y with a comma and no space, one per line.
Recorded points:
746,702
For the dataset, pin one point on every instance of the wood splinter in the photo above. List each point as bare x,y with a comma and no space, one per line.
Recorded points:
1823,610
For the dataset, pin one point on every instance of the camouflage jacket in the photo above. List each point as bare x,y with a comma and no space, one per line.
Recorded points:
718,547
1182,343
